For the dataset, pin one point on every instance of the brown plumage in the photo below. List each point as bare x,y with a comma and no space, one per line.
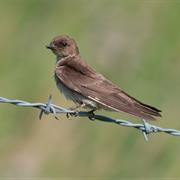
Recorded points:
82,84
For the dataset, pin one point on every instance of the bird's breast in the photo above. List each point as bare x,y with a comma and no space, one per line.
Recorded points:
71,94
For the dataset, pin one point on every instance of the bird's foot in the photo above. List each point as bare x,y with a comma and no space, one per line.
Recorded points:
72,114
75,110
91,115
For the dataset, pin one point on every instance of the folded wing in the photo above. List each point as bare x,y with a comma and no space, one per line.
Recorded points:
84,80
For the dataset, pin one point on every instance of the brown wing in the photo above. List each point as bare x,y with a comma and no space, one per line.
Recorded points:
77,75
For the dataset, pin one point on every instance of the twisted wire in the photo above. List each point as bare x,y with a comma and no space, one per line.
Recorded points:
49,108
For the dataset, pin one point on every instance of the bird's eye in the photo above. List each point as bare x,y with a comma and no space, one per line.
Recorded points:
61,44
64,44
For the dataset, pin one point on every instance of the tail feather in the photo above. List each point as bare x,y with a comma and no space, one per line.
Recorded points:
149,109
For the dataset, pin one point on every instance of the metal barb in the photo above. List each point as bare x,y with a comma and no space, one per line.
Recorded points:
146,129
49,108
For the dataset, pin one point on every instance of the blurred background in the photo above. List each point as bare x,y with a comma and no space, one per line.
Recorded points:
136,44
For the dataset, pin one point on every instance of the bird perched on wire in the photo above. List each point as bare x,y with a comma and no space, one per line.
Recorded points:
89,89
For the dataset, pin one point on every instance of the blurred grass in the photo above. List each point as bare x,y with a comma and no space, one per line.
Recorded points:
134,43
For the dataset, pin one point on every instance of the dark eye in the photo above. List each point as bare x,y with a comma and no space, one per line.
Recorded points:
64,44
61,44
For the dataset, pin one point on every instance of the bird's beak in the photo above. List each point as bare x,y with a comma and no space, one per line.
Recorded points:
50,47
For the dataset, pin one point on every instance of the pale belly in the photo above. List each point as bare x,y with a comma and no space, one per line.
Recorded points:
75,96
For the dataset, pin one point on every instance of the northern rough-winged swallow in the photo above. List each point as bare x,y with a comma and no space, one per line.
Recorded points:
88,88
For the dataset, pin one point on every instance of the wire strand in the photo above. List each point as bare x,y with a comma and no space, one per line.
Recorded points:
49,108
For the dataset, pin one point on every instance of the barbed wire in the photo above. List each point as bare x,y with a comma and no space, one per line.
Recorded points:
49,108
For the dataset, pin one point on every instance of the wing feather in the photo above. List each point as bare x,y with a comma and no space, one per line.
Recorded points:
97,88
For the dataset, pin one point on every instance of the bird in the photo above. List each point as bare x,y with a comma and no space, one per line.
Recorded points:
88,88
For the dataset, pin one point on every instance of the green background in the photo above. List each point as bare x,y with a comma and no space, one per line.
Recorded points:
136,44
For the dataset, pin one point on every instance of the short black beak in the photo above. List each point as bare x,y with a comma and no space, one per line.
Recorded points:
50,47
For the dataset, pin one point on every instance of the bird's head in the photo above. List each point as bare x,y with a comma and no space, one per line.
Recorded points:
63,46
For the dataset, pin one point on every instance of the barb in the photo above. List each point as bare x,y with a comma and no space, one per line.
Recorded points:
49,108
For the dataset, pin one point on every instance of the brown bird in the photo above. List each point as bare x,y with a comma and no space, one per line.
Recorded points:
88,88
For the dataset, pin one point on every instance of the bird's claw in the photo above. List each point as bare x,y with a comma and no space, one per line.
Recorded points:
75,114
91,115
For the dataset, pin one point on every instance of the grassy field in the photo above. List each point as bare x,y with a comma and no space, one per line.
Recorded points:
135,44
